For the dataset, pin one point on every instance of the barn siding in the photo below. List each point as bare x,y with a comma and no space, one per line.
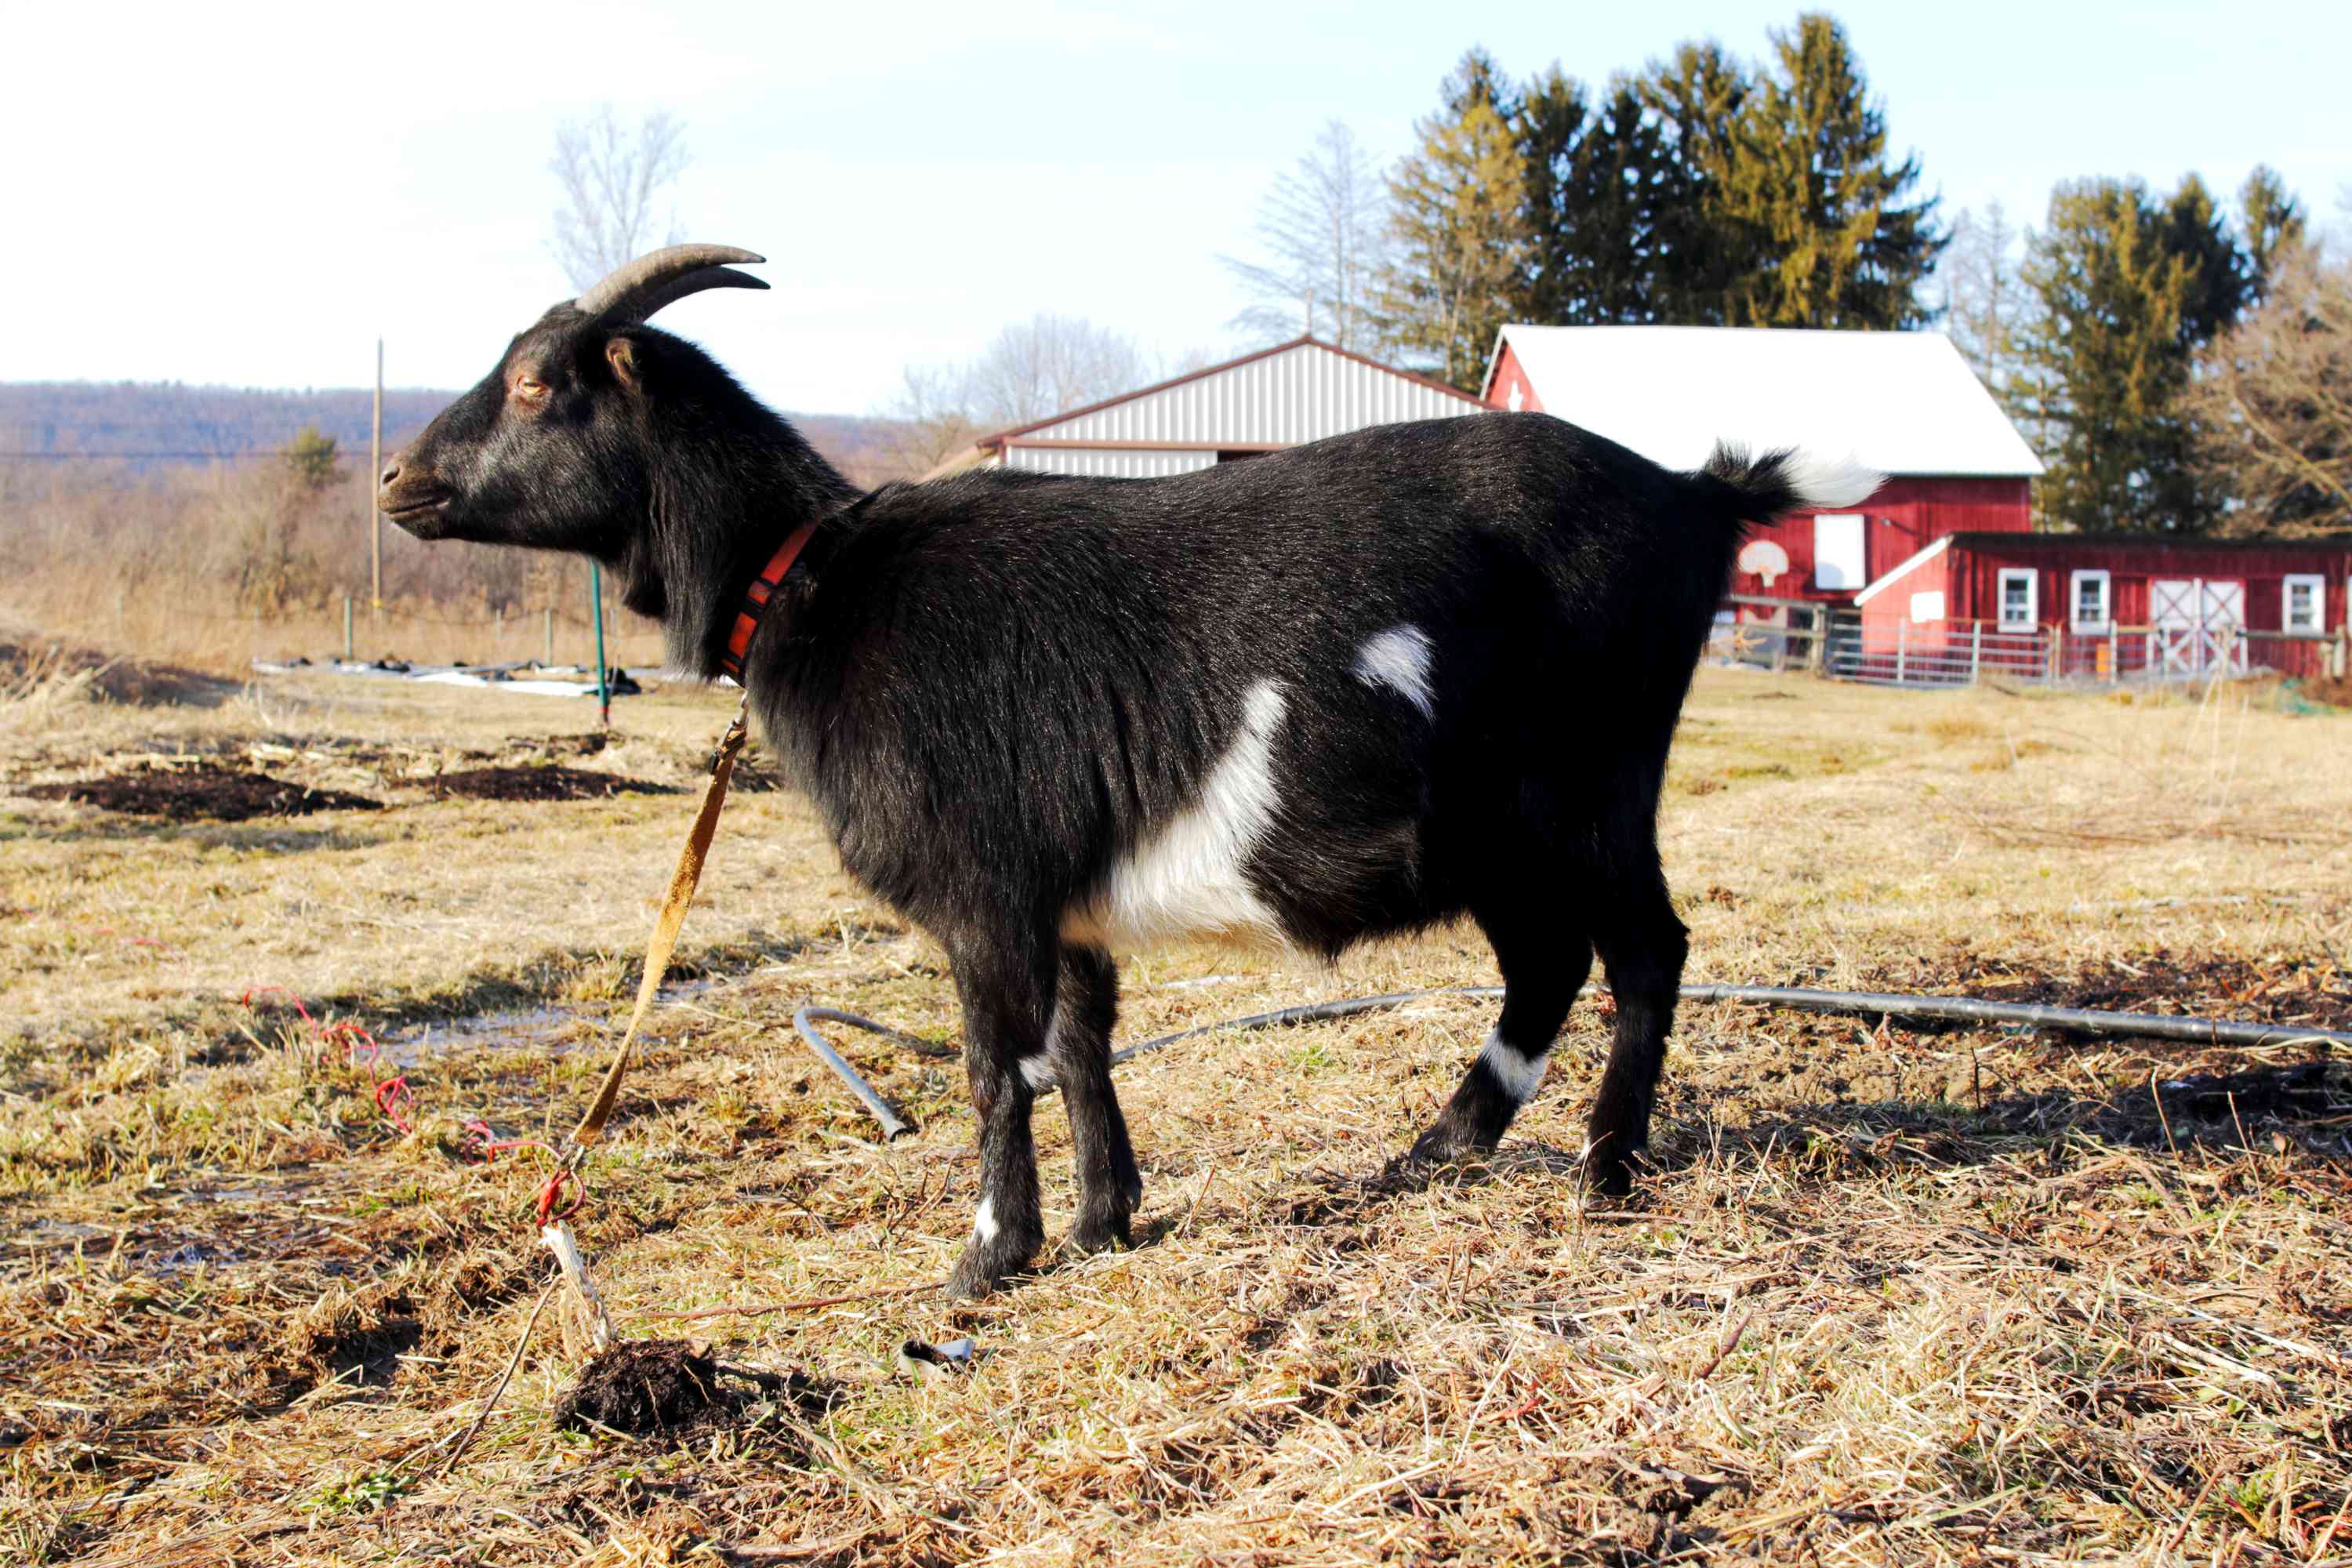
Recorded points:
1906,515
1108,463
1510,377
2132,564
1302,392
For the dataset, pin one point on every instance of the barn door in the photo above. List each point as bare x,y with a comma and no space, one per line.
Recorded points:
2196,620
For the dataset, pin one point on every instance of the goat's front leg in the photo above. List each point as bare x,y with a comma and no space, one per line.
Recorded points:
1007,997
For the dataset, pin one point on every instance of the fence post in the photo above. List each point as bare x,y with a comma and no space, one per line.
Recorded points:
1902,649
2056,663
2115,655
347,630
547,625
1976,649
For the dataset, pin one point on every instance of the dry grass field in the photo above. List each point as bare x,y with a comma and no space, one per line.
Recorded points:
1890,1295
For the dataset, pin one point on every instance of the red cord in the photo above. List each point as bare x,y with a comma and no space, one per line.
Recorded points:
393,1100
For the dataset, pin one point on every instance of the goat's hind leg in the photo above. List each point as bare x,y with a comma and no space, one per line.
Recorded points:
1007,992
1544,963
1109,1185
1642,950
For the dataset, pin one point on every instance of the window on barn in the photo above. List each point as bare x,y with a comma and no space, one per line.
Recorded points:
1838,551
2089,610
2305,602
2019,598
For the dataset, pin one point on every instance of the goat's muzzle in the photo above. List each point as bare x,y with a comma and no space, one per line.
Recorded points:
414,501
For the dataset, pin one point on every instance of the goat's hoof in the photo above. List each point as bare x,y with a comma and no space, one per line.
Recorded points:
985,1266
1101,1233
1438,1149
1612,1176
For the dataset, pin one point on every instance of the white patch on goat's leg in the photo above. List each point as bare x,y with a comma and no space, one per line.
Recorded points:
1037,1071
1517,1073
983,1220
1187,878
1398,658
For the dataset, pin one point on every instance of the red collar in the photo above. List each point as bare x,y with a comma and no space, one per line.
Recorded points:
755,599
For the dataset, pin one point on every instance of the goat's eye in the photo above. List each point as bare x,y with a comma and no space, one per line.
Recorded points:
530,386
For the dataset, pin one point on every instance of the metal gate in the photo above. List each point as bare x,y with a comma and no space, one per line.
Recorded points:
2194,624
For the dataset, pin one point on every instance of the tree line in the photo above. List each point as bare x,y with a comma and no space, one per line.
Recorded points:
2179,367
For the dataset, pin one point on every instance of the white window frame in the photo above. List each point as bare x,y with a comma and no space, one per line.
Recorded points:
2032,580
2319,586
2106,617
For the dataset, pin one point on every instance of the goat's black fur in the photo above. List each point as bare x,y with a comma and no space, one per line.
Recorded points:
1353,688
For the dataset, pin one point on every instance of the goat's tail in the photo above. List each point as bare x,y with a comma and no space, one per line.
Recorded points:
1758,489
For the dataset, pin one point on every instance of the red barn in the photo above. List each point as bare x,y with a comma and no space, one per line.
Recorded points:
2107,606
1904,402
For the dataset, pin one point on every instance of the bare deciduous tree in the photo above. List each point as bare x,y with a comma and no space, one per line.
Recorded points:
1322,226
1045,365
2273,400
1984,296
615,180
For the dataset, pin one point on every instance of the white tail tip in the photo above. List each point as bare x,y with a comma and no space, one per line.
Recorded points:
1822,483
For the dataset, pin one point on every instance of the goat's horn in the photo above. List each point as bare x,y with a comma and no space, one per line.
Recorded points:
636,290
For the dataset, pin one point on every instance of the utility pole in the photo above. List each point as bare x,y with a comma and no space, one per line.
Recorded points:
375,468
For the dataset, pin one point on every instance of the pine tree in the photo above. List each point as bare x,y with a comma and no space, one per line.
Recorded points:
1457,228
2122,292
2271,223
311,458
1811,181
1699,248
1594,170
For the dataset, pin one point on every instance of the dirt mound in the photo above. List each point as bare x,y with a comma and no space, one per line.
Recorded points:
648,1387
2335,690
204,792
553,782
31,663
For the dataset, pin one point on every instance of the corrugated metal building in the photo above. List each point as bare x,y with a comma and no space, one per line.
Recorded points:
1296,391
1904,402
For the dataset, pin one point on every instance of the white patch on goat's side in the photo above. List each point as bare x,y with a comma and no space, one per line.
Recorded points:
1186,879
983,1220
1830,482
1398,659
1037,1071
1518,1074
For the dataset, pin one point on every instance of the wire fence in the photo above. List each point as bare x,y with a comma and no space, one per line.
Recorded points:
1789,634
1961,653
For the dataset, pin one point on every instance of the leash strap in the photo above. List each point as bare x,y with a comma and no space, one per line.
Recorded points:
666,928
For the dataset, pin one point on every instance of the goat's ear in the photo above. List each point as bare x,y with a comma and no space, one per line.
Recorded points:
622,355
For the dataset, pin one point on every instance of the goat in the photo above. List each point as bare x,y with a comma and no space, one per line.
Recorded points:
1351,689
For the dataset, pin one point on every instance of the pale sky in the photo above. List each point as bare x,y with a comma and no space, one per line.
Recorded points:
251,193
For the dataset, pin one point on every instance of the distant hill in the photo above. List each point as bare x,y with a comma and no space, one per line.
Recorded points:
159,424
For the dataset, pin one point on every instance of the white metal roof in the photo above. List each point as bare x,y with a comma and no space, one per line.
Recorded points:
1299,391
1903,403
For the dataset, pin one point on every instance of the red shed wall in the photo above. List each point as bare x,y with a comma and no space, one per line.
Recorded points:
1890,607
1906,515
2131,567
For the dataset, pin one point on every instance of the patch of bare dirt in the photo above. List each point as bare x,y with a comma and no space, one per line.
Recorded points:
553,782
2309,992
203,792
654,1387
28,661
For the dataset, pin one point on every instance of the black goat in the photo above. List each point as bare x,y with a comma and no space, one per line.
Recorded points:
1350,689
